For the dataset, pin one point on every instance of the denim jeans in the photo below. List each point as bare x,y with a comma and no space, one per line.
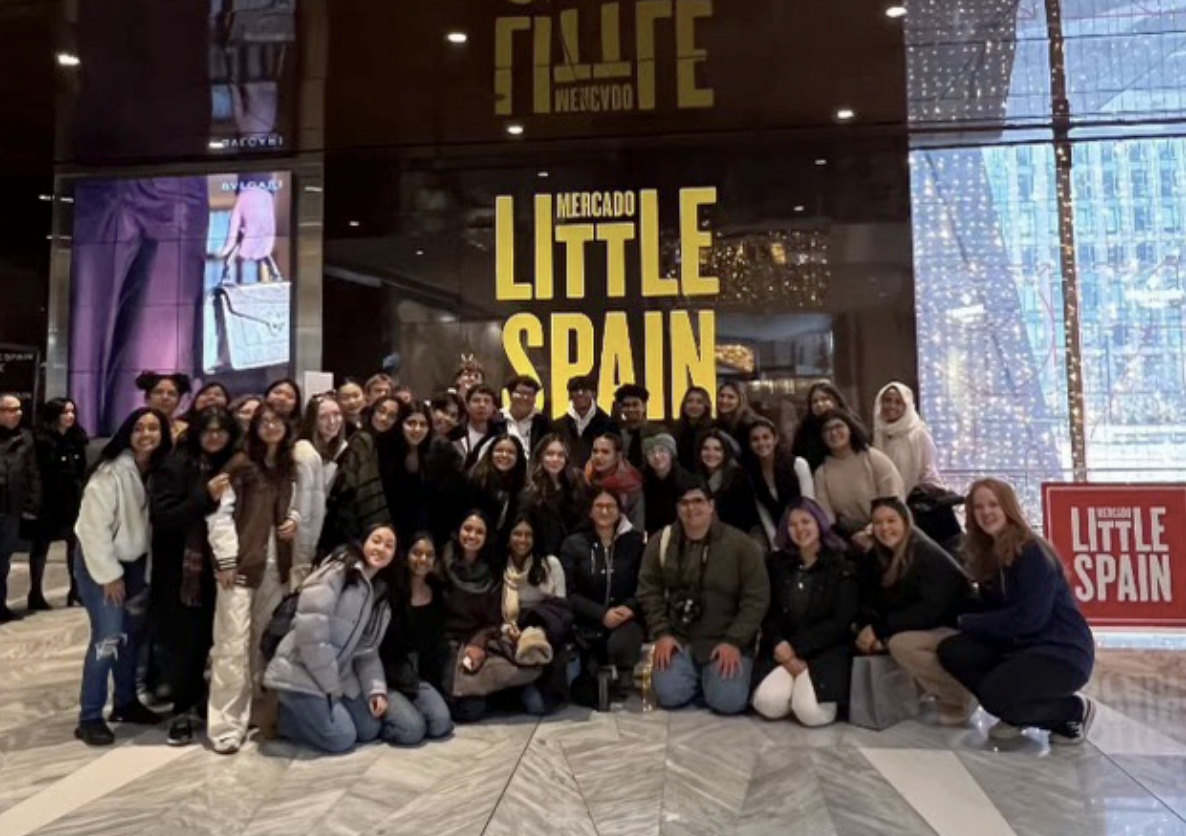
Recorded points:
10,527
330,725
685,681
410,721
115,637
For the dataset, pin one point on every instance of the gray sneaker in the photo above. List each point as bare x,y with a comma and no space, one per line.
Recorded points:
1075,733
1002,731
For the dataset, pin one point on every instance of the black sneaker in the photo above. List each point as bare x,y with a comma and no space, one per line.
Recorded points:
1075,733
37,603
181,732
137,713
95,733
7,615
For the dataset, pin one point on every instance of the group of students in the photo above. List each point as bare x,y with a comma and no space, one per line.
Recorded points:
380,567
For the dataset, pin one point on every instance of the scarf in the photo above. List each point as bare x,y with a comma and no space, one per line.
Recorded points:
512,580
883,430
475,578
623,481
904,440
582,423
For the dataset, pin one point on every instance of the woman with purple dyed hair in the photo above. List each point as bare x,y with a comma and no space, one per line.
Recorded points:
805,659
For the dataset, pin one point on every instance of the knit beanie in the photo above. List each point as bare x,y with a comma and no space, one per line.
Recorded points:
660,440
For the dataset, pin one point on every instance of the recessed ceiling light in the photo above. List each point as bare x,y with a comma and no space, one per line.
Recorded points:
419,252
355,224
314,189
45,197
846,114
68,59
800,208
66,199
543,174
895,12
457,37
821,161
515,130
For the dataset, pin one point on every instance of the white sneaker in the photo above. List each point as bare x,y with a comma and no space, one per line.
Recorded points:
227,745
1004,731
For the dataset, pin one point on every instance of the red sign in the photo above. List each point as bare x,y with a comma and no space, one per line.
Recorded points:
1125,550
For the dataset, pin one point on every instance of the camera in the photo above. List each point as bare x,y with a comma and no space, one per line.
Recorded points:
685,611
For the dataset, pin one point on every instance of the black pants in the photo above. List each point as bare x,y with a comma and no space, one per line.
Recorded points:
1023,688
621,647
186,634
39,557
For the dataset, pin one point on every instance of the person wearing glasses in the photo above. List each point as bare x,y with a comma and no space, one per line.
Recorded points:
523,420
704,592
851,477
20,488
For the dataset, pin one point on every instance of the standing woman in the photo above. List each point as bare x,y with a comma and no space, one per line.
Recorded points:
1029,651
406,486
901,434
728,481
695,421
354,402
183,587
356,499
779,479
805,660
497,481
734,414
163,392
912,593
601,564
326,671
556,493
61,457
853,475
284,397
822,398
251,536
322,443
112,574
415,651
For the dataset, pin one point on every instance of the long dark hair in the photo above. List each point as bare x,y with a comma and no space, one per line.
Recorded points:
52,411
406,411
808,443
122,440
350,555
257,450
490,480
192,413
296,388
858,436
214,417
486,554
539,483
539,561
401,585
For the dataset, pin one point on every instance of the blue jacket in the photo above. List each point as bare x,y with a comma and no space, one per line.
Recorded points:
1030,606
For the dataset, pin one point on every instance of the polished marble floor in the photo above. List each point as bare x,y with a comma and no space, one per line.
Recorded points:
616,774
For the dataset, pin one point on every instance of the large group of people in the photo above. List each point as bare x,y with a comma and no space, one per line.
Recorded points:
372,565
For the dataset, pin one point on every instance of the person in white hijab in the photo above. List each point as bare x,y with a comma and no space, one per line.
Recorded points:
901,434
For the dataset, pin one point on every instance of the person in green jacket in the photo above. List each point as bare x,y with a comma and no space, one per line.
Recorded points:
704,589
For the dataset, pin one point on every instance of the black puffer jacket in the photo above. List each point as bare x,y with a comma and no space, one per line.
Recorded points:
598,579
932,592
20,477
62,462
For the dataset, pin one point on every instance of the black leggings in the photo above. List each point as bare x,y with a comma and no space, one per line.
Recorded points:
1023,688
39,557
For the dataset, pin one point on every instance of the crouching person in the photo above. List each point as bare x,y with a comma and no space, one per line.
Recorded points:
327,671
704,590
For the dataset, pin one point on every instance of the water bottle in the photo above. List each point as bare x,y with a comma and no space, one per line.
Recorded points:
646,687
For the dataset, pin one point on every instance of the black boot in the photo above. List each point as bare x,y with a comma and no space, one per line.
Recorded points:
95,733
7,615
37,603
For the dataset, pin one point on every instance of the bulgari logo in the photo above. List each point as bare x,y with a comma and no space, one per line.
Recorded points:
625,75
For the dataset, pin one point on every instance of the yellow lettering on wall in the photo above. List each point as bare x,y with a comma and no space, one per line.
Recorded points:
693,240
617,357
575,237
572,70
690,56
504,61
656,363
691,359
653,283
612,65
545,271
615,237
542,63
647,13
568,360
522,331
506,289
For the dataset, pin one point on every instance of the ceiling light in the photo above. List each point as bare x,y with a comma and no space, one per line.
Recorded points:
355,224
66,199
457,37
895,12
800,208
543,174
821,161
45,197
314,189
845,114
419,252
68,59
515,130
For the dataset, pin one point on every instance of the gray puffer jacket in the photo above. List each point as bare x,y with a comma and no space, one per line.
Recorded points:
333,645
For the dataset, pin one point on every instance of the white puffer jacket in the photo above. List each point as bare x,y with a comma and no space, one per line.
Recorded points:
113,526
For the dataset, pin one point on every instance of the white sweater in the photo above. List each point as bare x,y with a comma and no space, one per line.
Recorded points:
113,526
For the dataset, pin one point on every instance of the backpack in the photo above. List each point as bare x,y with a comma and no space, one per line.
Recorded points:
280,624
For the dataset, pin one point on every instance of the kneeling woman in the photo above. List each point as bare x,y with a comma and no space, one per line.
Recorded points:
805,661
912,595
1027,654
327,671
415,651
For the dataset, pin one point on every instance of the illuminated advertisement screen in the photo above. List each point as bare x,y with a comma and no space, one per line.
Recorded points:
178,274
